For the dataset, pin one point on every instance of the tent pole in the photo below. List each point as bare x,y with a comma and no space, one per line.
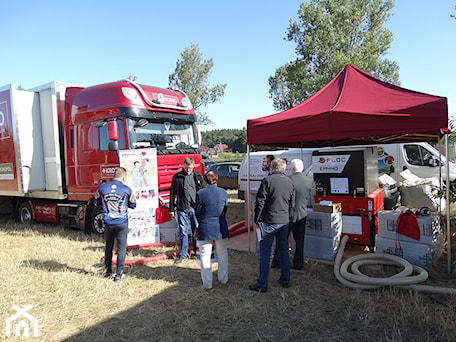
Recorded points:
247,194
447,170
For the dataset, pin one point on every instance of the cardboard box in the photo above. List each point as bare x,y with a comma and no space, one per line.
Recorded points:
321,224
334,208
317,247
429,227
416,253
169,234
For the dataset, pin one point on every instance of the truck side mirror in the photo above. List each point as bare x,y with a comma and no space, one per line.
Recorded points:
113,131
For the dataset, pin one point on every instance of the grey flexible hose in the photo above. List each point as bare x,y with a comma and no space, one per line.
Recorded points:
348,272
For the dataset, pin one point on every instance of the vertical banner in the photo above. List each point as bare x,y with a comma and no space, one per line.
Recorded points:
142,178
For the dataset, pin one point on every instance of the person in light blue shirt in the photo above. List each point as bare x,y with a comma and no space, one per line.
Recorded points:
116,198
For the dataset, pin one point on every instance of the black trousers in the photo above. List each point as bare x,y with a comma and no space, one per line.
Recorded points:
117,232
299,230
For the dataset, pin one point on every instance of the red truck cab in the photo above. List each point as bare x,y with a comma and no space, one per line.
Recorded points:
85,127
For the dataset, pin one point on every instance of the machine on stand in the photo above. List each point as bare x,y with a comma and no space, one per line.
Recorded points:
350,177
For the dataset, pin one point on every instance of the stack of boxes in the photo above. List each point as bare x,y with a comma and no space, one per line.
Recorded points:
422,252
169,232
323,231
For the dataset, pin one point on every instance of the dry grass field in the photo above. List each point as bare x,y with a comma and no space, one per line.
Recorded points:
59,272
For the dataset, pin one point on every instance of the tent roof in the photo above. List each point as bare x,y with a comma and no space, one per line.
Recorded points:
352,109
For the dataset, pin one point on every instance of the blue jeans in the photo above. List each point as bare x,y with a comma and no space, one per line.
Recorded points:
183,220
270,231
113,232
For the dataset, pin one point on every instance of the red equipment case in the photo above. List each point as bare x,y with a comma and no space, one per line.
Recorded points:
357,209
350,176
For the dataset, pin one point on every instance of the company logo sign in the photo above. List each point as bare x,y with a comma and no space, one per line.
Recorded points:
6,171
107,171
22,321
330,163
165,99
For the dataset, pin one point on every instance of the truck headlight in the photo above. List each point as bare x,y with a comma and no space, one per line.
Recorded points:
132,95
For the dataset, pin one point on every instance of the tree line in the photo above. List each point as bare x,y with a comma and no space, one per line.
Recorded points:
235,138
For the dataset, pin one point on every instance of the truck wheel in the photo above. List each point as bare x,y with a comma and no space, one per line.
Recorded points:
98,225
24,213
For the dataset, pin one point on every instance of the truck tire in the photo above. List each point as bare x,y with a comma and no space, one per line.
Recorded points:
24,213
97,223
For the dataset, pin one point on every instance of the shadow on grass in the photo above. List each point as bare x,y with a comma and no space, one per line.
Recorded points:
54,266
13,228
315,308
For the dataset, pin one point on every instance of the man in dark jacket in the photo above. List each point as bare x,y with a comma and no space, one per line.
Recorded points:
116,198
210,209
273,203
303,186
182,199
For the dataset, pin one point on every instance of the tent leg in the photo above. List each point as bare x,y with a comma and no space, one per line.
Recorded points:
247,194
447,169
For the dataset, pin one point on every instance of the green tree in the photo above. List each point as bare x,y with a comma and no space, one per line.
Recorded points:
329,35
192,76
234,138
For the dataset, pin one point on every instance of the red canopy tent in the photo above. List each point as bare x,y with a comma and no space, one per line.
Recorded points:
354,108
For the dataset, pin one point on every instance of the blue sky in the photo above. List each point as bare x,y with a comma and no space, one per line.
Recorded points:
91,42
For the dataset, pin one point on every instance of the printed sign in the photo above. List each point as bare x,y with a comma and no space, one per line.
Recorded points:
142,178
6,171
339,186
4,119
107,172
329,163
385,161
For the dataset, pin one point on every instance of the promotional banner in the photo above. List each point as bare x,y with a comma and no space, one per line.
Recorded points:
329,163
142,178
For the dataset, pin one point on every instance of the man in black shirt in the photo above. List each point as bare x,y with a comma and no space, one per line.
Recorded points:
182,198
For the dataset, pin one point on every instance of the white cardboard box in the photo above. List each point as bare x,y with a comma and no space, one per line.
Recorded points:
169,234
416,253
317,247
429,227
321,224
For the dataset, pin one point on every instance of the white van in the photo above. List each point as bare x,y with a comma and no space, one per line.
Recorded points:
257,166
421,158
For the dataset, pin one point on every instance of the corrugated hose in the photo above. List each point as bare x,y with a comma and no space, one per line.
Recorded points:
349,275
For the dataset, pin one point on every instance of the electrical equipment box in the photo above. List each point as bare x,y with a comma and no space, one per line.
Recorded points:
349,172
350,177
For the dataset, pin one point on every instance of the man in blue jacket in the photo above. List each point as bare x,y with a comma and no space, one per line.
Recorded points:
116,198
210,210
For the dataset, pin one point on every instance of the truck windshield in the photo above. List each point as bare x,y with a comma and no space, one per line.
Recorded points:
167,137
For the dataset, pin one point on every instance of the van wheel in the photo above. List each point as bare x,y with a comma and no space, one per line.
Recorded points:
24,214
97,223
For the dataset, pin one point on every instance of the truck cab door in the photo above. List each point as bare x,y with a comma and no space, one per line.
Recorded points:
95,161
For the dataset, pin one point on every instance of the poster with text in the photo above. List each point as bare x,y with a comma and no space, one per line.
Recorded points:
142,178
